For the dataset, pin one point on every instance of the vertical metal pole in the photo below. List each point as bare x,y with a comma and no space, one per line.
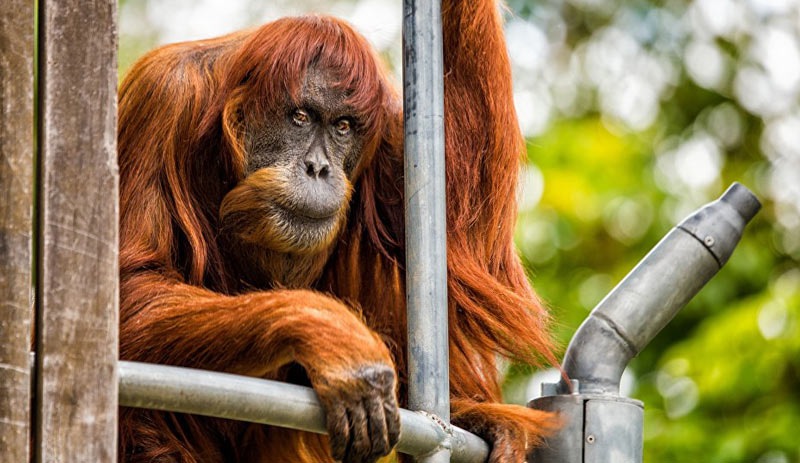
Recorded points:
426,256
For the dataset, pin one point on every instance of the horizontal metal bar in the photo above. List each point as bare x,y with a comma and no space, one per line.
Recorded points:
255,400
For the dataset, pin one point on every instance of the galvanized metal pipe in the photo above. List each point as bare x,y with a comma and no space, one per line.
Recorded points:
426,255
222,395
631,315
601,426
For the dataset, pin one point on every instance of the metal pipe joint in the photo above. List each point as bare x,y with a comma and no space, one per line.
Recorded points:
601,425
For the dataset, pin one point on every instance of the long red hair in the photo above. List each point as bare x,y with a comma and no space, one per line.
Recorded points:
177,160
184,113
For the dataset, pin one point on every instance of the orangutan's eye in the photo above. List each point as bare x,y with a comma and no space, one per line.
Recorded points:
300,117
343,126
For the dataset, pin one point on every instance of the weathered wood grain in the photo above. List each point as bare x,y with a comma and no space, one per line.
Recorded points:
16,212
77,290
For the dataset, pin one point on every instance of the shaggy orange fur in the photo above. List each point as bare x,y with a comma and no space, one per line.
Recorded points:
183,119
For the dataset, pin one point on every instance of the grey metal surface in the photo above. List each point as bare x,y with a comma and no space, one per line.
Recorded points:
426,251
566,446
613,431
719,225
597,429
601,426
222,395
629,317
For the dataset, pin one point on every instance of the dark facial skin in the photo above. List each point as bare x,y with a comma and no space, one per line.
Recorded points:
293,201
299,168
316,139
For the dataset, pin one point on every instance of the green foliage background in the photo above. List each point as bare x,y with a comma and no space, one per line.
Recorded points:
720,383
608,177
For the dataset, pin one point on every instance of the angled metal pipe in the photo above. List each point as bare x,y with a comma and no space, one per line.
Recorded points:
600,426
631,315
223,395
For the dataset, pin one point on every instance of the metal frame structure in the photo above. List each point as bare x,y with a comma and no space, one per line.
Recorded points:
427,434
604,427
263,401
62,406
426,244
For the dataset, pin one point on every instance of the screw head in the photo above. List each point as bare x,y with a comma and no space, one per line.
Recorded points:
709,241
590,439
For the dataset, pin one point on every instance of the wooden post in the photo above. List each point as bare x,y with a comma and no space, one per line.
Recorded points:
77,279
16,211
